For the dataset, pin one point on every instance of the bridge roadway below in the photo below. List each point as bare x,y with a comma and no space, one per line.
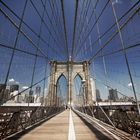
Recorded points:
66,126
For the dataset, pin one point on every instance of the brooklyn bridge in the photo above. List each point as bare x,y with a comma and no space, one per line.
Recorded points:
70,69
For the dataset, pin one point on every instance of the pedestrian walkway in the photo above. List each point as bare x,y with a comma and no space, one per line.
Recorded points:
54,129
65,126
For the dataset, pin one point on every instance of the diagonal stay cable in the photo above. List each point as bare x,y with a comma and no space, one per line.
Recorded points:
87,35
28,26
114,34
90,19
84,20
82,13
54,38
120,50
124,15
19,50
60,20
24,34
51,18
56,18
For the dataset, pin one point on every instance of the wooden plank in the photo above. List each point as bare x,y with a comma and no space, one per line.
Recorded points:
54,129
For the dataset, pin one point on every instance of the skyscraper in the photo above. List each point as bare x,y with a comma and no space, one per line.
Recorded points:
93,89
31,98
113,95
98,97
38,90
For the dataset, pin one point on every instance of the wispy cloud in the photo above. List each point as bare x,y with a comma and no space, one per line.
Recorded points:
130,84
11,80
25,87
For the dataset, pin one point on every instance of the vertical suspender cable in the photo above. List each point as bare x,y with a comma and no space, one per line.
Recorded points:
64,23
74,30
13,52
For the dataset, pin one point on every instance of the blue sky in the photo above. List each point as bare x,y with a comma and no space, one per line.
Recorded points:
52,40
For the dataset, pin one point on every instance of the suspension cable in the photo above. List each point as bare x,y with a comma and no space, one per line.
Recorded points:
64,24
114,34
111,27
87,35
74,30
125,55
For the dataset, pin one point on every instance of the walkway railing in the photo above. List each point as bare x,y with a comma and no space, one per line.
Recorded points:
128,121
17,119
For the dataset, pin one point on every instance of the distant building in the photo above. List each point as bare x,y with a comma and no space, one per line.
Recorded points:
37,94
98,97
30,98
2,86
26,98
37,99
42,100
113,95
31,92
38,90
2,90
93,89
14,87
13,96
6,95
20,99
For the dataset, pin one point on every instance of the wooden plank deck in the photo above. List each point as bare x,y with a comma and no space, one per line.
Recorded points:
54,129
59,128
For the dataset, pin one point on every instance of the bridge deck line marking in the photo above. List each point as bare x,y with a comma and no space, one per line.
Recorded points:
71,135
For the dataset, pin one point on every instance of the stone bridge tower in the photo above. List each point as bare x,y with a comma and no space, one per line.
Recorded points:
70,70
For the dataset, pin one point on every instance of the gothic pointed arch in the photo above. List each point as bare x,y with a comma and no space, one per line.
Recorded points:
78,74
61,75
